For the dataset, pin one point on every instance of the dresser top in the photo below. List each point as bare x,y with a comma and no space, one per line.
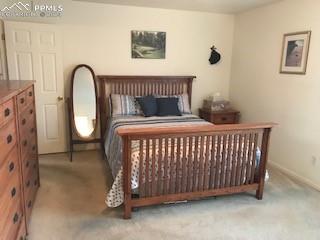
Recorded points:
8,89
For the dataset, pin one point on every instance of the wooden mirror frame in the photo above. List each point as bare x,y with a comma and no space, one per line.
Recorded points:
72,126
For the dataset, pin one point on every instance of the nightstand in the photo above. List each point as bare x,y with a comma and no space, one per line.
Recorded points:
229,116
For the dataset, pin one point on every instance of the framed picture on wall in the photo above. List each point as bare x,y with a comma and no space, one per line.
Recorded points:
148,44
295,52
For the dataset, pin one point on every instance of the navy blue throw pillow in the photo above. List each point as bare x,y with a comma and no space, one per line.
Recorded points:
168,107
148,105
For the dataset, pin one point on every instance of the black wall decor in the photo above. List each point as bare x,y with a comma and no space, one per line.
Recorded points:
215,56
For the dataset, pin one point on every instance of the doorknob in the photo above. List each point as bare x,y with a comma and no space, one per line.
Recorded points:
60,98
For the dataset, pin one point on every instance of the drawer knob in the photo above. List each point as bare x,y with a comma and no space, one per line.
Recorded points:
33,148
13,192
24,121
25,142
27,164
7,112
35,182
28,183
9,139
22,100
15,218
32,130
11,167
30,94
31,111
29,204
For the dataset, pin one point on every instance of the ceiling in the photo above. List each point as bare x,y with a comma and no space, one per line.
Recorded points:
216,6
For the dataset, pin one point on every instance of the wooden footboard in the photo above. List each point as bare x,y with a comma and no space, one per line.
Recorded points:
185,163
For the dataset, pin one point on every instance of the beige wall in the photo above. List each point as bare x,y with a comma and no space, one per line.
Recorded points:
262,94
99,35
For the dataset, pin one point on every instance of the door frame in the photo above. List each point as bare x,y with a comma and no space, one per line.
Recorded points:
3,54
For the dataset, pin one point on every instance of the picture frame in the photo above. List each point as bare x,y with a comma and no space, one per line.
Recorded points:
148,44
295,51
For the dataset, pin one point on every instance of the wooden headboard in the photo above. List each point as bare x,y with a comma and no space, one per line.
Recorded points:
139,86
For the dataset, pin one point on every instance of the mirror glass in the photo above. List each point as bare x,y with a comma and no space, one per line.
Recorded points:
84,101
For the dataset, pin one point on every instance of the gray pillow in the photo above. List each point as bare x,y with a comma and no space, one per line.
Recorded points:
124,105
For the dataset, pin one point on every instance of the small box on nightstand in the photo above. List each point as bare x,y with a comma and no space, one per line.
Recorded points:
229,116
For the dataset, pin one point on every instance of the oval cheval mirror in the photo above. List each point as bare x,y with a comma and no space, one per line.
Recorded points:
83,106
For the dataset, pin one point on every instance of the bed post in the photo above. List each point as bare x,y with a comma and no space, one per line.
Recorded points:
189,88
263,163
127,176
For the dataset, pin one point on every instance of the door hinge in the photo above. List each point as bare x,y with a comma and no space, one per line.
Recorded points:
3,37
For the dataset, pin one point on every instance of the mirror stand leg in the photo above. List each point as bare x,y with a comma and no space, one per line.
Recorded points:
71,152
70,129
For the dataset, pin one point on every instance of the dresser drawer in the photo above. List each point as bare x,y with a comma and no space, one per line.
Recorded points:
26,119
229,116
7,111
8,139
9,169
224,119
25,143
10,197
31,181
11,191
29,164
30,112
13,222
22,101
22,231
26,124
30,95
30,192
33,150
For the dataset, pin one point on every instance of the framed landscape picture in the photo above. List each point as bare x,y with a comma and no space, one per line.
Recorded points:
148,44
295,52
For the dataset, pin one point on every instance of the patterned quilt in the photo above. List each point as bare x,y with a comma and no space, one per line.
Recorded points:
113,148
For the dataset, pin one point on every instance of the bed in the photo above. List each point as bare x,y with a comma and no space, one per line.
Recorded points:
168,159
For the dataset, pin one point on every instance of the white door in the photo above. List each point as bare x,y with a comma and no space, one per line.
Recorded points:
34,53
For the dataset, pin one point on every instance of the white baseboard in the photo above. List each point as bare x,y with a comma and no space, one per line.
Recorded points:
294,175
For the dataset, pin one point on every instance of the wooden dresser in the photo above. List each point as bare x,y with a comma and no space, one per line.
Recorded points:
19,169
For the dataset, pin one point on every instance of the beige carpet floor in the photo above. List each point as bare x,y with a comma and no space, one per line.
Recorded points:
70,205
